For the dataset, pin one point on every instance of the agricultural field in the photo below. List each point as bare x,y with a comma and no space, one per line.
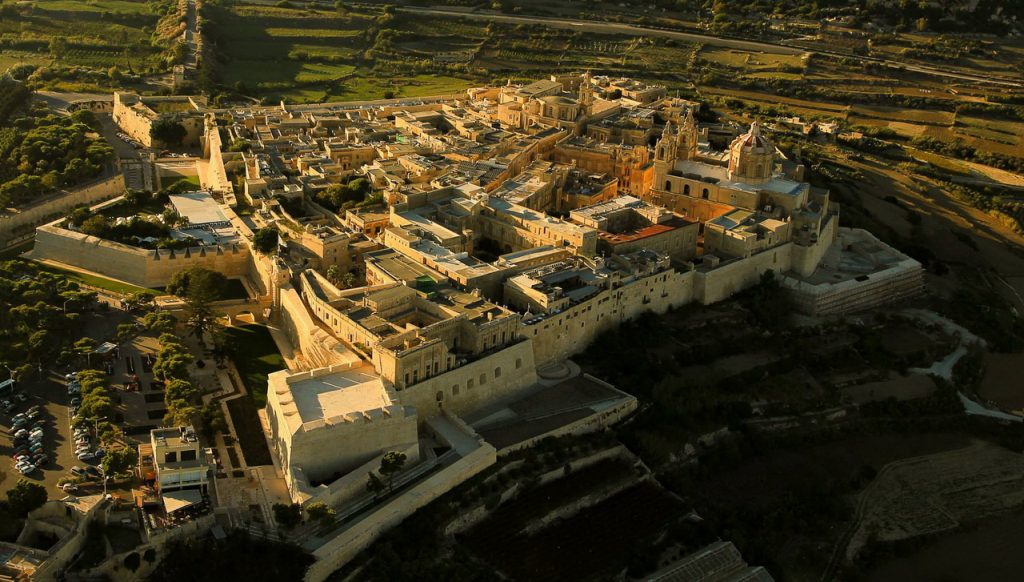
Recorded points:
76,44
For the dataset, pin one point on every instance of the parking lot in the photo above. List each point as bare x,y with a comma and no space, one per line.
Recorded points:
51,395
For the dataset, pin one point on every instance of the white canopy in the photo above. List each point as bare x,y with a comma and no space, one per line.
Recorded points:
176,500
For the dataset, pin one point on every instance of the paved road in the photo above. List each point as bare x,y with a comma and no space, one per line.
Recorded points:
632,29
60,101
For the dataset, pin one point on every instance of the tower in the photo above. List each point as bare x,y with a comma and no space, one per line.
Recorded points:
586,96
665,148
686,137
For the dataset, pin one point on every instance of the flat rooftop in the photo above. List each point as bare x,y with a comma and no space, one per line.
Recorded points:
338,393
856,255
198,207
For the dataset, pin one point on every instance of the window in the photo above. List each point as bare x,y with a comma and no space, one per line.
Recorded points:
668,185
455,389
519,363
686,189
497,372
188,455
705,194
440,396
171,457
469,384
483,379
435,367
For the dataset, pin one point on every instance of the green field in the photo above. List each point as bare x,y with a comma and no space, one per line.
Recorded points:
97,281
124,6
95,35
169,181
256,355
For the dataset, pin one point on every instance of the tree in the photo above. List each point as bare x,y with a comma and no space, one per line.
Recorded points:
25,497
374,484
159,322
199,287
321,512
288,516
334,274
390,465
58,46
85,346
168,130
125,332
265,239
137,300
118,461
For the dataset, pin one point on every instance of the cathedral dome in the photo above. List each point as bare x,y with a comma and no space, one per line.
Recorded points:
751,157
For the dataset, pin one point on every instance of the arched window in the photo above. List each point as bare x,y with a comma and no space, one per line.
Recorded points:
469,384
668,185
440,396
497,372
455,389
705,194
686,189
483,379
519,362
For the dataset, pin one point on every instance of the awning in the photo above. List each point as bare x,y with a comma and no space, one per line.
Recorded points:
104,348
177,500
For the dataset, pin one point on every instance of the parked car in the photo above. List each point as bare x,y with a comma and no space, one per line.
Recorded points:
77,471
33,415
100,453
69,488
40,460
86,456
70,376
21,397
6,405
26,469
33,408
76,401
93,472
21,434
36,448
19,422
74,390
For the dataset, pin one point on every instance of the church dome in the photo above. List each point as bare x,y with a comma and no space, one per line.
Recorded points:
751,157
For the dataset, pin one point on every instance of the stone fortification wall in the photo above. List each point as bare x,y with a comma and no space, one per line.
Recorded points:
559,336
348,487
313,445
497,377
142,267
605,415
732,277
319,348
61,554
807,258
22,223
360,534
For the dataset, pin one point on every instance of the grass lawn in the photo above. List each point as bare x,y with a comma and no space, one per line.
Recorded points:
246,420
256,356
168,181
97,281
